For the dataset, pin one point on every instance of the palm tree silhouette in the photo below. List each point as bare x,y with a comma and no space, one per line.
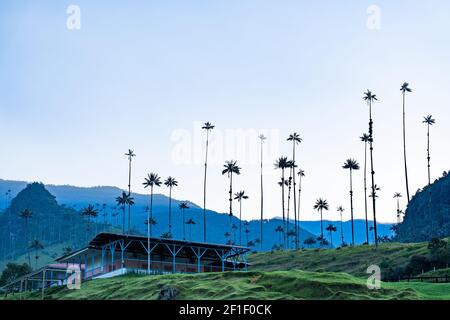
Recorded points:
280,229
130,154
369,97
190,222
239,196
152,180
208,127
351,164
429,121
404,88
321,205
301,174
282,163
26,215
331,228
365,138
150,222
341,211
170,183
36,245
246,231
290,165
295,138
90,212
398,195
122,201
261,138
183,206
230,168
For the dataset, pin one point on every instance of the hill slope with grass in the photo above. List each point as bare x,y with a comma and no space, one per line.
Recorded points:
293,284
219,286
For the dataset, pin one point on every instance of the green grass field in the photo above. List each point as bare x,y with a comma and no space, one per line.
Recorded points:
350,260
306,274
293,284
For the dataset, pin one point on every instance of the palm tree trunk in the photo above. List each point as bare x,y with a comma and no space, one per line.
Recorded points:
372,172
151,208
342,231
26,239
170,210
288,208
148,232
321,224
428,153
365,191
297,236
295,197
129,194
123,219
231,206
262,198
240,222
184,226
351,207
204,187
284,218
404,148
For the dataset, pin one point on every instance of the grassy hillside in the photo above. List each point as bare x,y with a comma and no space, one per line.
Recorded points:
293,284
350,260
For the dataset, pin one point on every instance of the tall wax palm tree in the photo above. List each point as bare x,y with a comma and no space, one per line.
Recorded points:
429,121
369,97
239,196
152,180
341,211
170,183
301,174
282,163
331,228
231,167
183,206
290,165
208,127
261,138
26,215
404,89
150,223
351,165
90,212
280,229
321,205
283,183
130,154
190,222
122,201
36,245
295,138
365,138
398,195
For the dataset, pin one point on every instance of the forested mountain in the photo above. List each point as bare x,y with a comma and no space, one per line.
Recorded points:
428,213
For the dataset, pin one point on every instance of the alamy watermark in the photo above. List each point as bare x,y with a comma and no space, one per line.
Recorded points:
374,20
374,280
73,21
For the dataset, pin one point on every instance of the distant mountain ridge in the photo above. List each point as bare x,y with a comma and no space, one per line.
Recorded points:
218,223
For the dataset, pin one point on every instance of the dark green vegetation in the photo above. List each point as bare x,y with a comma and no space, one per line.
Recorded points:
428,213
293,284
33,215
395,259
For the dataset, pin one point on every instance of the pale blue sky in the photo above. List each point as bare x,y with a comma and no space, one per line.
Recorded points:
139,73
